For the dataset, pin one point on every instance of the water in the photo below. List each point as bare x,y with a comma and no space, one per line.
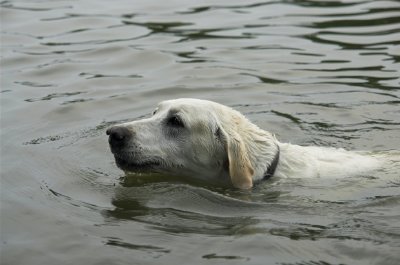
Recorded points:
312,72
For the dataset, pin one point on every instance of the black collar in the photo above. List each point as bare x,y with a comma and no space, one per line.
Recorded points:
272,167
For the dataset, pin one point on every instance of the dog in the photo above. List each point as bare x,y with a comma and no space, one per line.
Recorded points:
206,140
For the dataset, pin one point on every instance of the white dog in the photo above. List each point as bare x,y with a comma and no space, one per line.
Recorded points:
204,139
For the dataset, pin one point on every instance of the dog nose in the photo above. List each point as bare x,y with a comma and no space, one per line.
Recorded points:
118,135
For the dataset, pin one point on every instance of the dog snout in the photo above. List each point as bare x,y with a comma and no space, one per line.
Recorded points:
118,136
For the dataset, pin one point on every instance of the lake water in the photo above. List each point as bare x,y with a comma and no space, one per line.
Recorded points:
313,72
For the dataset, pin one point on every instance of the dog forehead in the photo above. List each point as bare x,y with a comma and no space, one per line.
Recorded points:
190,104
184,102
193,110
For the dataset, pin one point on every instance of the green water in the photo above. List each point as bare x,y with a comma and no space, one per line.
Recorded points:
313,72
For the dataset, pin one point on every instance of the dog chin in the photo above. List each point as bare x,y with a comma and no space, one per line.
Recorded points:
128,165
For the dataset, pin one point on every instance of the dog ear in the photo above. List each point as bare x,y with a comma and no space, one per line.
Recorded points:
240,168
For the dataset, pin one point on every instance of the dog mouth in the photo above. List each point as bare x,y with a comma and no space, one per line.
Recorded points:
131,164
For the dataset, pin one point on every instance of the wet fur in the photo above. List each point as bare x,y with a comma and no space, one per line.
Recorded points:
219,143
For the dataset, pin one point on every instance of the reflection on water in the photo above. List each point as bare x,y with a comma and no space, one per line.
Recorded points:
312,72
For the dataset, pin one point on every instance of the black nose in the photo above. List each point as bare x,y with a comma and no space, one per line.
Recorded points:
118,135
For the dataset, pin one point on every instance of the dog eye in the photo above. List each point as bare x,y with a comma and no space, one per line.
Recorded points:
175,121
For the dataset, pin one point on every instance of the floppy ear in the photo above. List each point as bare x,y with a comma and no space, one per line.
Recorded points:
240,169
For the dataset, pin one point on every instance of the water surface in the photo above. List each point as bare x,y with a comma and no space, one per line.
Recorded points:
313,72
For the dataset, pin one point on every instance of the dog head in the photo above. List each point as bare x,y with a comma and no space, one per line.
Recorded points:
187,137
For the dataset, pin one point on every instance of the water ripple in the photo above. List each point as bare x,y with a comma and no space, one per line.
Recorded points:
310,71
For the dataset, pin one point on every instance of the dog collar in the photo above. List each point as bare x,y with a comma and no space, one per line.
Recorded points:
274,164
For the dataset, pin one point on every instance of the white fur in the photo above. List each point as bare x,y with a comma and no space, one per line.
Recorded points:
217,142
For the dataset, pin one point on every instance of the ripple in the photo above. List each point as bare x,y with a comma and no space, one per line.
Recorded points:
312,72
33,84
116,242
8,4
54,95
224,257
91,76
